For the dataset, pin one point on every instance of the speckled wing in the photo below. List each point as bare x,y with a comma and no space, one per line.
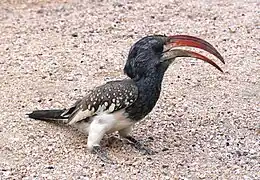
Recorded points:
110,97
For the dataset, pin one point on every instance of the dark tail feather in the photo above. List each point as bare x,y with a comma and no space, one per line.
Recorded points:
48,115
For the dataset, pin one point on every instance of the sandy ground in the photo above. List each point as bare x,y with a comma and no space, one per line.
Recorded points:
206,125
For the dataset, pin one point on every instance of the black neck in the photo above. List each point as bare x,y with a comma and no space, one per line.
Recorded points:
149,89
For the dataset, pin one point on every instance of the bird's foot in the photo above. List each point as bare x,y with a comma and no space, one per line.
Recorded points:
102,155
139,146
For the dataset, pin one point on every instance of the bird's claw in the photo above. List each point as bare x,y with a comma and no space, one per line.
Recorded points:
139,146
145,150
102,155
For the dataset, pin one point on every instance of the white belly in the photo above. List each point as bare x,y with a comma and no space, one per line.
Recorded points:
109,122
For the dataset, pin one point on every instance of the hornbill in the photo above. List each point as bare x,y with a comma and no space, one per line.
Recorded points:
118,105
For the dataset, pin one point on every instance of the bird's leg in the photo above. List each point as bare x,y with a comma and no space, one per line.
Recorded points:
139,146
97,129
93,138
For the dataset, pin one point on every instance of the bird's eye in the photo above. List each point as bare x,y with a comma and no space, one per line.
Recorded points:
158,48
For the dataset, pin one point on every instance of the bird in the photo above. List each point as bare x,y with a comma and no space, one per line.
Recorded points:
117,105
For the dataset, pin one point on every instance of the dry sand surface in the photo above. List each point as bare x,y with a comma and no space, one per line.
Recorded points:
206,124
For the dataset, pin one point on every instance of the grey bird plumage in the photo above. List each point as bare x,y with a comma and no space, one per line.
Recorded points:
108,98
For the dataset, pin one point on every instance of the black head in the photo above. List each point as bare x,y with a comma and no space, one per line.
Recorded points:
153,54
144,56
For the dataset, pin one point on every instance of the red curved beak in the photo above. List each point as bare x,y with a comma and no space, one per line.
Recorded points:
185,40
